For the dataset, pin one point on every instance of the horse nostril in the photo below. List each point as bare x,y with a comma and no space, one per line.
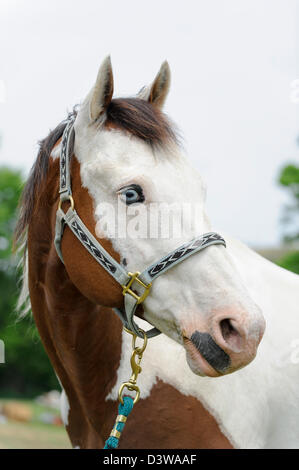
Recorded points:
227,328
231,335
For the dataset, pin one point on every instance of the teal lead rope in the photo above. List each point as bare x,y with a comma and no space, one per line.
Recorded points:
126,403
123,412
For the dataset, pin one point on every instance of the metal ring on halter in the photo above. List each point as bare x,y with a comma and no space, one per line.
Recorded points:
131,387
70,199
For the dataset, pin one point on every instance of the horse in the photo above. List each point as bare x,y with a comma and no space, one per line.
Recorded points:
222,372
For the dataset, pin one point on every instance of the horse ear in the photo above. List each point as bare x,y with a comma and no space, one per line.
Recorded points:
102,91
157,92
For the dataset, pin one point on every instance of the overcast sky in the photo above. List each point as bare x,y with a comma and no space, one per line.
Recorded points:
232,61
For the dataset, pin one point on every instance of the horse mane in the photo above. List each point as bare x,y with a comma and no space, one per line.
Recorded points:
37,174
133,115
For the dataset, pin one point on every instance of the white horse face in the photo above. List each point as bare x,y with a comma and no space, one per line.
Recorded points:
149,200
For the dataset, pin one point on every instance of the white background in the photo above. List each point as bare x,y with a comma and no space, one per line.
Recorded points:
232,62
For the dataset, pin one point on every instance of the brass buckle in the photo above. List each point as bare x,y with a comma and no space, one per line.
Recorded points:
127,288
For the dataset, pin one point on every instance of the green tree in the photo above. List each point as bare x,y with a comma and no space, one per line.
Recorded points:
289,179
10,191
27,370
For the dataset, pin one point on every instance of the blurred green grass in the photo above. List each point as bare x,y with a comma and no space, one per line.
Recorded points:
34,434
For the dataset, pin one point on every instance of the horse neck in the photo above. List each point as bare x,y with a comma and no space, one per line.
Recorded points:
260,273
82,339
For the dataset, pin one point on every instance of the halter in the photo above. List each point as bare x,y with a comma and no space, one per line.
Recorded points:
129,281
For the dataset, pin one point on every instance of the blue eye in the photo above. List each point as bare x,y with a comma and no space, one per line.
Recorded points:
132,194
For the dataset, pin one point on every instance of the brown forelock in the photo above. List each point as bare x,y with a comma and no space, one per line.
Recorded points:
141,119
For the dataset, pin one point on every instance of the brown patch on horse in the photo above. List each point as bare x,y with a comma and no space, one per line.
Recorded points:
82,338
169,420
86,273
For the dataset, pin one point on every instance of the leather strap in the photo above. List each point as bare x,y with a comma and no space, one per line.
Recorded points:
68,136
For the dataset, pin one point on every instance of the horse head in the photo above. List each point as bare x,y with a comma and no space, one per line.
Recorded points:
141,198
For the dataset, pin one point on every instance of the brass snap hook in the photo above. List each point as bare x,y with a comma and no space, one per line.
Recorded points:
136,357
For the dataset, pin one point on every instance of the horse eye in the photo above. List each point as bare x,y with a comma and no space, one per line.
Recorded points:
131,194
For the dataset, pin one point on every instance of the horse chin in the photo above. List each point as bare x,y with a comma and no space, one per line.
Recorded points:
197,363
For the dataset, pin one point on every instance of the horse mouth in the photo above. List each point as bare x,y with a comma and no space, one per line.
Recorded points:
204,356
